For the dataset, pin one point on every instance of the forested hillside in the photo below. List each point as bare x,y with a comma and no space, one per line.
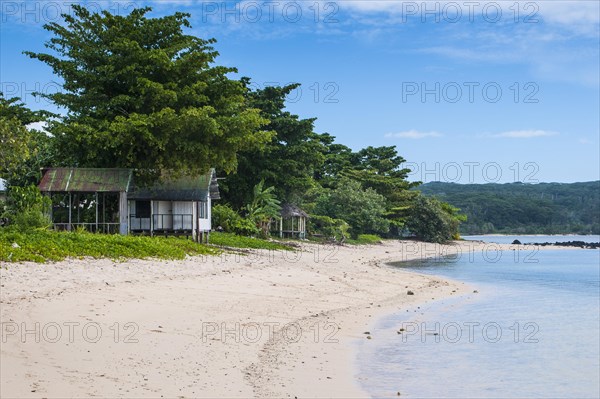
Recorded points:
545,208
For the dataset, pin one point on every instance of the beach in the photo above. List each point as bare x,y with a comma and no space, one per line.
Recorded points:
255,324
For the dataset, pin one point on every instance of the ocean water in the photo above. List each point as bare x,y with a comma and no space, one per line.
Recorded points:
525,239
531,331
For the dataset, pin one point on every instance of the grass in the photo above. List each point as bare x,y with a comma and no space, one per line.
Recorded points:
43,245
235,241
365,239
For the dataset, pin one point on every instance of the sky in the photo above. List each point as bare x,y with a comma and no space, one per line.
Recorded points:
468,91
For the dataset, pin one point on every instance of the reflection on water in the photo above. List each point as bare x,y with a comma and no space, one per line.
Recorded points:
532,330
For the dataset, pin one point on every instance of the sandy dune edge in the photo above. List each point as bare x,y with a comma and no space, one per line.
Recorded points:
267,324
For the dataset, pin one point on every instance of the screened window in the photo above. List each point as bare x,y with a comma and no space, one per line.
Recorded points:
142,209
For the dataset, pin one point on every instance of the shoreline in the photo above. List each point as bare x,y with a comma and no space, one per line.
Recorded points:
268,324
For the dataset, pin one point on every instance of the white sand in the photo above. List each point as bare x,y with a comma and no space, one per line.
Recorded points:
264,325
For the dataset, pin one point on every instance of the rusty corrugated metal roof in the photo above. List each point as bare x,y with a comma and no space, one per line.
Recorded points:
88,180
185,188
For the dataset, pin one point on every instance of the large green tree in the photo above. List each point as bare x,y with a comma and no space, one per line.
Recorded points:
141,93
377,168
363,209
21,149
264,207
288,162
338,158
14,139
13,108
380,168
432,220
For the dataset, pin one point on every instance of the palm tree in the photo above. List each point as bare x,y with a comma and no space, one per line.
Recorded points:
264,207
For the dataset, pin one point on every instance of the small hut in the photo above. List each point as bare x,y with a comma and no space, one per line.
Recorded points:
178,206
94,199
292,222
107,200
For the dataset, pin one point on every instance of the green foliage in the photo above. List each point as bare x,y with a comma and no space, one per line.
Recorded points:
260,211
232,222
13,108
224,216
140,93
365,239
236,241
518,208
245,227
362,209
43,245
368,189
264,207
22,151
288,162
14,146
26,209
433,221
335,229
29,170
338,158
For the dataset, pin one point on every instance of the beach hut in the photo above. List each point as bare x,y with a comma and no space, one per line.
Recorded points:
107,200
179,206
94,199
292,222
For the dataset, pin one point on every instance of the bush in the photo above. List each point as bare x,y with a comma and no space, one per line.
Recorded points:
225,217
231,222
336,229
433,221
363,209
245,227
236,241
26,209
364,239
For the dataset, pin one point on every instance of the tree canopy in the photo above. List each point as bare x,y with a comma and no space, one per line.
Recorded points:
288,162
138,92
363,209
141,93
18,144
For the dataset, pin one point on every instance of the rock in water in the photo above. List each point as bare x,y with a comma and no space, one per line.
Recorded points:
516,242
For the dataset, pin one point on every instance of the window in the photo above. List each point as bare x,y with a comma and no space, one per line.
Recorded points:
203,210
142,209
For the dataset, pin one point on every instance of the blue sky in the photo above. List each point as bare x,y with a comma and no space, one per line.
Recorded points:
478,91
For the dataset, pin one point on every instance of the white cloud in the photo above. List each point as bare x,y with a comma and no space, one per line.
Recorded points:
585,141
412,134
524,134
571,12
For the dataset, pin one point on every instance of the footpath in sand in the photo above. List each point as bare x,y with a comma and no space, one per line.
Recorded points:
266,324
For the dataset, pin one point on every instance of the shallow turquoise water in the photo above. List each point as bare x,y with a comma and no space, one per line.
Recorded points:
532,330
